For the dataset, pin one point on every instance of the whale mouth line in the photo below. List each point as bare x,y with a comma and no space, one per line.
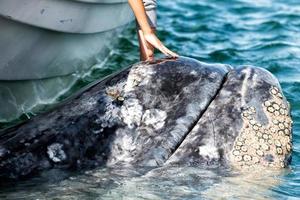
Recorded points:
199,117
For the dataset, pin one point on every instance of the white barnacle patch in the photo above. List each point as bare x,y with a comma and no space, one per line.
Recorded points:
56,153
139,75
264,141
193,72
132,112
111,112
116,91
110,117
155,118
209,151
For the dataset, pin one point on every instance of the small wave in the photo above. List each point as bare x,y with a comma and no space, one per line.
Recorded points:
274,45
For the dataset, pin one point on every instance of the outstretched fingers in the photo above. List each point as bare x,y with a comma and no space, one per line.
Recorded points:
169,53
155,42
166,51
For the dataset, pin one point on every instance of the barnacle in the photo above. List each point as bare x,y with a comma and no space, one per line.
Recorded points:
268,144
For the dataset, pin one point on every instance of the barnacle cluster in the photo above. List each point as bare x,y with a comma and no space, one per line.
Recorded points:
264,145
116,92
56,153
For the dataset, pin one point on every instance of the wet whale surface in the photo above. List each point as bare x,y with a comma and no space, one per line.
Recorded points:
247,125
163,113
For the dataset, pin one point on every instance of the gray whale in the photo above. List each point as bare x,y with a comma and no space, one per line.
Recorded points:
168,112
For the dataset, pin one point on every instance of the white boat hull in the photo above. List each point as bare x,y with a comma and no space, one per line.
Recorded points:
33,53
42,48
30,47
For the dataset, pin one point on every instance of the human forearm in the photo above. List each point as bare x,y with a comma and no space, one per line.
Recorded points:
147,35
140,13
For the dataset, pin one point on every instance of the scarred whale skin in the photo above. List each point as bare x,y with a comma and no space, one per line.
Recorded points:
247,125
169,112
163,102
136,117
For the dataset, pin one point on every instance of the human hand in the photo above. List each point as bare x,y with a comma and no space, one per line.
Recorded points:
152,39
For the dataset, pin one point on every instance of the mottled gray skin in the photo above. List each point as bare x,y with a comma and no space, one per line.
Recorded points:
212,139
169,112
136,117
72,127
172,96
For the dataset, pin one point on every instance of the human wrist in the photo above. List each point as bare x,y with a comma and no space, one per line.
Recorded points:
147,31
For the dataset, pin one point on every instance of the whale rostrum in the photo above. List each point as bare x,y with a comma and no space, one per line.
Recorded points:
248,124
168,112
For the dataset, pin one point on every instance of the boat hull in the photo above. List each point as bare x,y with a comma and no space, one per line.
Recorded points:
35,53
68,16
40,60
38,47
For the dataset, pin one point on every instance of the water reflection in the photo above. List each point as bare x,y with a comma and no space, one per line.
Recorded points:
161,183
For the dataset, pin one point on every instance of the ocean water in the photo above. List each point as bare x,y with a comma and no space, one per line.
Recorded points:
263,33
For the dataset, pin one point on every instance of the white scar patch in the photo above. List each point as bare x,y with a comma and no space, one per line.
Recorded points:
209,151
245,85
139,75
132,112
155,118
56,153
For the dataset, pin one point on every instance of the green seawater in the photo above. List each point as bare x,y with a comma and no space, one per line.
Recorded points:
263,33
